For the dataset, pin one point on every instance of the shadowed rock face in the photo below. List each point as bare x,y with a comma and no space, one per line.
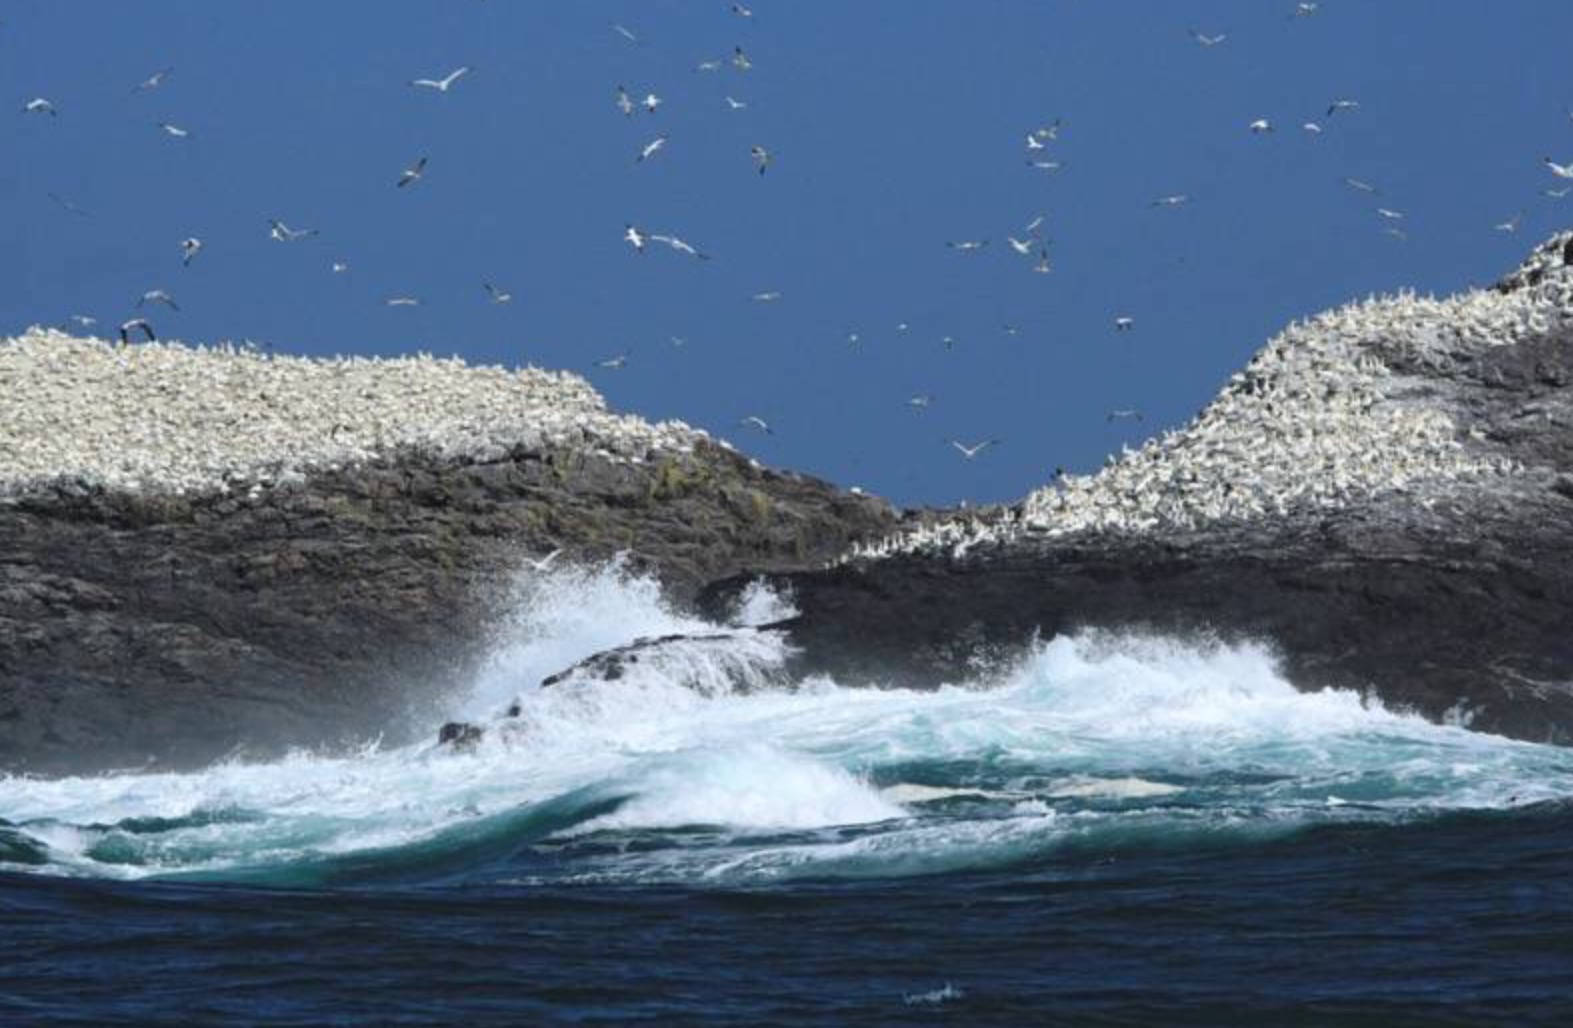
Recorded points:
161,631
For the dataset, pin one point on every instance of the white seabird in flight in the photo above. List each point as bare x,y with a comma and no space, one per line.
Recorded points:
340,267
1121,415
755,421
1124,323
967,245
174,131
761,158
1312,127
614,363
1207,41
1361,185
650,149
158,296
767,297
402,301
497,295
153,81
1390,214
921,401
38,105
1260,125
1511,225
1305,10
635,238
741,11
136,325
1342,105
679,245
541,564
735,105
413,173
1043,267
1559,170
1177,200
1556,194
971,452
1044,165
740,60
621,31
284,234
1020,246
442,85
651,102
189,248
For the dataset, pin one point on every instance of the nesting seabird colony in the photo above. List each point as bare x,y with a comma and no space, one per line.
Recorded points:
1318,420
164,418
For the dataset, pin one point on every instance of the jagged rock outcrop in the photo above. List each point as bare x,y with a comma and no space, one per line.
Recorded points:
321,604
1385,495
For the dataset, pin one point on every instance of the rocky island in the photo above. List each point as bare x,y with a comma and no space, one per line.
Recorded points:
205,552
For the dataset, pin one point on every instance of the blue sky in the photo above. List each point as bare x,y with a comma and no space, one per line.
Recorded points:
896,126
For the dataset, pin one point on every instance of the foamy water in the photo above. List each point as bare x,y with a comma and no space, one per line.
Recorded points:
1094,742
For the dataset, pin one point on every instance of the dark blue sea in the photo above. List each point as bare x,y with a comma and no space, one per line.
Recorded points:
1120,831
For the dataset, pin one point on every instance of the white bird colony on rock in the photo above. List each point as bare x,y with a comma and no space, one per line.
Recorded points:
167,418
1316,421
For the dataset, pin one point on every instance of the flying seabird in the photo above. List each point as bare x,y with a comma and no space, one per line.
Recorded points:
1032,226
650,102
740,60
1390,214
1312,127
284,234
679,245
967,245
1120,415
443,84
497,295
1261,125
971,452
741,11
83,320
621,31
761,158
1206,40
613,363
1177,200
1511,224
1556,194
1034,143
153,81
67,206
735,105
708,65
1305,10
542,563
189,248
1396,232
402,301
1362,186
1124,323
625,103
1559,170
921,401
174,131
636,238
1022,247
1043,267
413,173
768,297
158,296
38,105
1342,105
136,325
340,267
754,421
1044,165
650,149
1049,133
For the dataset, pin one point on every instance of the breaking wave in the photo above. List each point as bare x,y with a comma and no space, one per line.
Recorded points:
674,774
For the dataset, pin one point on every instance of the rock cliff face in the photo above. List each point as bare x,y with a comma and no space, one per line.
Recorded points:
149,627
1414,542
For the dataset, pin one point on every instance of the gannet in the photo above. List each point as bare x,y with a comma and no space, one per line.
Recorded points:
1051,132
413,173
769,297
1177,200
1033,143
497,295
189,248
38,105
136,325
1511,224
83,320
1124,323
635,238
1342,105
708,65
67,206
158,296
1032,226
339,267
1120,415
679,245
402,301
1559,170
1261,125
284,234
613,363
1556,194
1206,40
970,452
920,402
621,31
625,103
443,84
1044,165
153,81
650,102
1364,187
173,131
1305,10
1390,214
735,105
650,149
967,245
741,11
1312,127
761,158
740,60
754,421
542,563
1043,267
1023,247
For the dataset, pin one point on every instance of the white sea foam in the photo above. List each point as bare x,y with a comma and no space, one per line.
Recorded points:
1094,741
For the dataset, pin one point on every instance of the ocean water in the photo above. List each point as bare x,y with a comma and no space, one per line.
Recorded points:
1121,830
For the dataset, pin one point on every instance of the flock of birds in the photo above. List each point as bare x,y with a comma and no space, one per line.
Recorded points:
1030,244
